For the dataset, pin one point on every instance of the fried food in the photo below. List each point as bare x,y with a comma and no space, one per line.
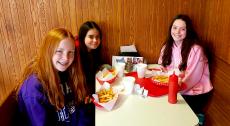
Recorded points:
161,78
105,95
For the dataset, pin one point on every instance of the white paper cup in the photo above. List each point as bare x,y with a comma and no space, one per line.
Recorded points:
120,67
141,68
128,83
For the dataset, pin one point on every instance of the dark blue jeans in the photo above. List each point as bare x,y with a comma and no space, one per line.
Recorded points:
197,102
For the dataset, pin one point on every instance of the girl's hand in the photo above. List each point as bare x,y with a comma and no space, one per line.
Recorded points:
163,69
87,100
182,74
180,77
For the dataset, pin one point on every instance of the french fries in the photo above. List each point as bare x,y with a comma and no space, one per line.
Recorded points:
105,95
161,78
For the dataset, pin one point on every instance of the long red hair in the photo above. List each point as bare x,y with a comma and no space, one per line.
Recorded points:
42,66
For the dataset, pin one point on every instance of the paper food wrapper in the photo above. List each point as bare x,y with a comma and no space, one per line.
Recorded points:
108,105
106,75
129,48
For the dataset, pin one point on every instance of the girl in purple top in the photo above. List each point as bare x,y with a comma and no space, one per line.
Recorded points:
182,51
52,88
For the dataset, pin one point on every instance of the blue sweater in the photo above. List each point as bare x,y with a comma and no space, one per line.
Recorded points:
36,110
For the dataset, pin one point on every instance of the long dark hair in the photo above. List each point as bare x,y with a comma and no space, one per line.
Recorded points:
190,39
92,60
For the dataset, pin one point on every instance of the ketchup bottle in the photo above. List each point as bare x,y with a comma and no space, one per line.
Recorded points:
173,88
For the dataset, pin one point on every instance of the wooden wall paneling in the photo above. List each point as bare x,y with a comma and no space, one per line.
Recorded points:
32,13
223,50
127,23
66,14
20,31
225,28
149,27
221,73
107,18
218,113
93,8
130,22
73,18
219,108
42,16
52,7
197,17
103,24
2,88
155,29
111,21
59,11
219,30
204,32
142,26
14,44
155,36
9,35
2,62
214,27
79,15
27,29
117,28
49,8
39,21
100,11
2,56
32,31
85,10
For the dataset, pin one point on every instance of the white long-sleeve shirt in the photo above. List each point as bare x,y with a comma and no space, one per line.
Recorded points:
197,75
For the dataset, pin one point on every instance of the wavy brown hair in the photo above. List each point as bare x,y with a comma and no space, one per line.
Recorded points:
43,68
190,40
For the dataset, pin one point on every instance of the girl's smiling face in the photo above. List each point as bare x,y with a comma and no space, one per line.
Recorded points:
92,39
64,54
178,30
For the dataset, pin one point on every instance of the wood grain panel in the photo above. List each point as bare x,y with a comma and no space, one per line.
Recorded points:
7,63
32,13
218,110
28,27
217,27
73,16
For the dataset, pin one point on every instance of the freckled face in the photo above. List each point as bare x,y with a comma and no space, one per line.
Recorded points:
64,54
178,30
92,39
